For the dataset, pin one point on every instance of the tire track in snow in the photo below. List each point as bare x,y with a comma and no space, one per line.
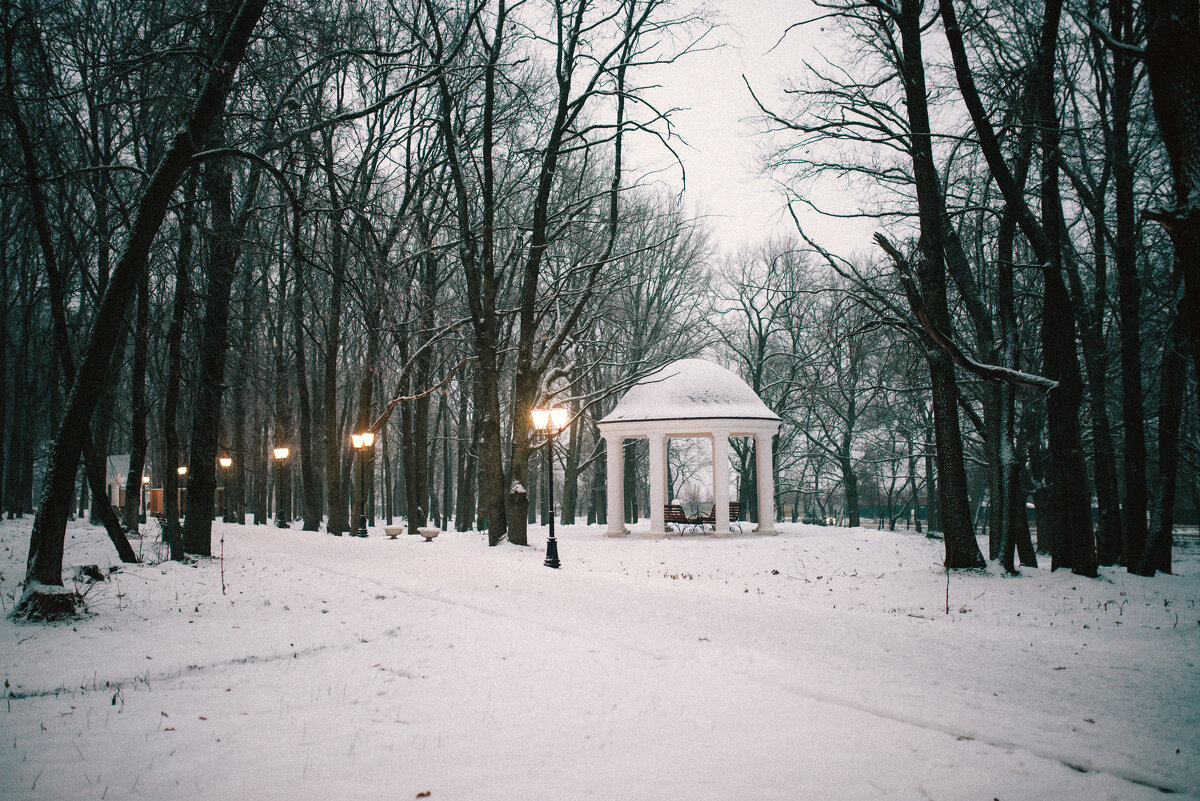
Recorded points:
771,680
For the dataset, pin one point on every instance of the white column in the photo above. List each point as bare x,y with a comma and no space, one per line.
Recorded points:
766,484
658,481
616,486
720,458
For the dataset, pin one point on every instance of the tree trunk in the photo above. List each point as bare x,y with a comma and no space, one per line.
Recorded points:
570,495
1156,554
172,533
223,251
310,485
850,487
962,550
468,437
1129,291
138,407
1074,538
1173,65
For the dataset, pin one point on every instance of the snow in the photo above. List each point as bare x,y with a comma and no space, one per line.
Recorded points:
690,389
821,663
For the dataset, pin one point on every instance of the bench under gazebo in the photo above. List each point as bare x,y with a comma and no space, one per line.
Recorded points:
689,398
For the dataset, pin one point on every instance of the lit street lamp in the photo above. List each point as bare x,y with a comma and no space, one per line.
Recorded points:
280,514
361,442
180,489
225,463
550,421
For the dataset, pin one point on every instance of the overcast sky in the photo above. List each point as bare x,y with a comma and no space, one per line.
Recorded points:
722,157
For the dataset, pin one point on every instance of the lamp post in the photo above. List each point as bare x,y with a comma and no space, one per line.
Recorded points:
550,421
361,442
179,489
145,498
280,514
225,463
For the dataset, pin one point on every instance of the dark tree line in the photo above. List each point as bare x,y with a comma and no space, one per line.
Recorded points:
1022,152
234,226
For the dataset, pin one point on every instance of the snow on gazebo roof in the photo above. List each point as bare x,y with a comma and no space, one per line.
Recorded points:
690,389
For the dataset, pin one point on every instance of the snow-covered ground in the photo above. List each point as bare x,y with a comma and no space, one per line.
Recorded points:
819,664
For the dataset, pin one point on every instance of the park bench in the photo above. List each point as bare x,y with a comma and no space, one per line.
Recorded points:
673,515
710,519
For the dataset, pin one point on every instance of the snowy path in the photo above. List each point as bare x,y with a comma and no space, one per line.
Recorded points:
682,669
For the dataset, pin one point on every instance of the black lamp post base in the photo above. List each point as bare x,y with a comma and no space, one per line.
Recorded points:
281,523
551,553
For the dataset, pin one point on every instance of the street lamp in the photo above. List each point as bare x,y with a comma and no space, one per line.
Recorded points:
550,421
225,463
361,442
280,514
179,488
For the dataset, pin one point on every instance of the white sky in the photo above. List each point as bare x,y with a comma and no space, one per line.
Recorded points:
721,158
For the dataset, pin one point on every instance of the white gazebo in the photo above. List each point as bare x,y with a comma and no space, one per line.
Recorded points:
689,398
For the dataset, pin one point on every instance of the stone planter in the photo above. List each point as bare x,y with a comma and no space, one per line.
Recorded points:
429,532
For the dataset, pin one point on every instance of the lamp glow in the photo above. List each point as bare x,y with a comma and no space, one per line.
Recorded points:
181,470
225,461
368,438
281,453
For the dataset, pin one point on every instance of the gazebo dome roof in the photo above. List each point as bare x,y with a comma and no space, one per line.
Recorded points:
690,389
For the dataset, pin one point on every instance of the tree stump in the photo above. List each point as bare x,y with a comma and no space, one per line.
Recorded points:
47,603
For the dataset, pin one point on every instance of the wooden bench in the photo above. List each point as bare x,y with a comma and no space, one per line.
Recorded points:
710,519
673,515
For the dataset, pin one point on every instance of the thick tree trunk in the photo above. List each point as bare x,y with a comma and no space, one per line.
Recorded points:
850,487
491,459
172,533
1156,554
1129,291
223,252
335,499
519,504
962,550
1075,544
